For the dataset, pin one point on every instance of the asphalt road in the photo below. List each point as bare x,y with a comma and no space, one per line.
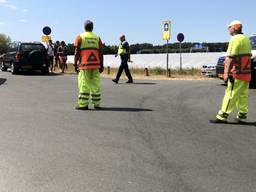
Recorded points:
150,137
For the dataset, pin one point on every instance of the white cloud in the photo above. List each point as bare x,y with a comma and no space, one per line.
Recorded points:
10,6
3,1
25,10
2,22
22,20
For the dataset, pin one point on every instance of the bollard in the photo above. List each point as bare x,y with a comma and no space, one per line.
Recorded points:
108,70
146,72
169,74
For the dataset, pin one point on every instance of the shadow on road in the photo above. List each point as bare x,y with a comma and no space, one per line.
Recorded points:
28,73
124,109
2,81
138,83
245,124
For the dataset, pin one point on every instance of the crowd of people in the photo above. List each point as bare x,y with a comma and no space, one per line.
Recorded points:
58,54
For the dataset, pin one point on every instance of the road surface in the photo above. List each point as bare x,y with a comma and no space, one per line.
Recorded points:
153,136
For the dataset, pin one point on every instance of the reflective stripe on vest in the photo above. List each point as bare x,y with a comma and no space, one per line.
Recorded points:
241,67
90,58
121,50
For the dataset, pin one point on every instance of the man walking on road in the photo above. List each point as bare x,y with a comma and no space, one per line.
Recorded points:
238,74
89,64
124,53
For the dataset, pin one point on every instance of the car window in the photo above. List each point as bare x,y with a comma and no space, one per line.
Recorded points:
30,47
253,40
13,47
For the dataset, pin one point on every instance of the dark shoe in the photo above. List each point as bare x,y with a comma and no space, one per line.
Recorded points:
97,108
241,122
82,108
115,81
218,121
129,82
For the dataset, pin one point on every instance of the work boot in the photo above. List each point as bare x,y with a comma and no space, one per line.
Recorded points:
218,121
129,82
82,108
115,81
97,107
242,122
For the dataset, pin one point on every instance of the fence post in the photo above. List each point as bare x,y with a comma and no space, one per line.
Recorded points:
108,70
169,74
146,72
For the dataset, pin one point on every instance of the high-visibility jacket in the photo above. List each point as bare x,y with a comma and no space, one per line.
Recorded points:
239,58
121,50
90,51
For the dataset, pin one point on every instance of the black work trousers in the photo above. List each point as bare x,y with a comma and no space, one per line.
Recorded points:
124,67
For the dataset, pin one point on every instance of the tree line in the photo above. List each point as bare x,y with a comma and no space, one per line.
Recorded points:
144,48
147,48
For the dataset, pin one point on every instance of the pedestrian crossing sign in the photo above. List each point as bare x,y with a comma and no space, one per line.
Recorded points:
166,28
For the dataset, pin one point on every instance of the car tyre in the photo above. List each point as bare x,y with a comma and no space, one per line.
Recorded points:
3,67
14,69
45,71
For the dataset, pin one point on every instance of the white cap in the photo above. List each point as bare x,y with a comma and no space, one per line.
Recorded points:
234,23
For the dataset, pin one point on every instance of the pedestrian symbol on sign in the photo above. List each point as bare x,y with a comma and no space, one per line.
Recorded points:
166,27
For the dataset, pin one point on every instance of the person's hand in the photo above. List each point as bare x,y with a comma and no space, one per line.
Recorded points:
101,69
76,69
116,55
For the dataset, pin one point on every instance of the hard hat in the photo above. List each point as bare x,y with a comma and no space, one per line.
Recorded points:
122,36
236,24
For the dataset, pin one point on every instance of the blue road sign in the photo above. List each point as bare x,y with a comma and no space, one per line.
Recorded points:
180,37
166,27
47,30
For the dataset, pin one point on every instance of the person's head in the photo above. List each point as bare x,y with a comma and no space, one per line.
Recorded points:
63,43
50,42
122,38
57,43
88,26
235,27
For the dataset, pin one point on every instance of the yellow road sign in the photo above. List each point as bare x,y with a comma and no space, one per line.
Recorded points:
46,38
166,28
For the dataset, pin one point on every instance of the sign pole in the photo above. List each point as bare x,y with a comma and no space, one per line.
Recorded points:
180,58
167,60
180,38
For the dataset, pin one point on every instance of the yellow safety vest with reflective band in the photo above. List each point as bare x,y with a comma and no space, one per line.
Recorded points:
121,50
239,56
90,58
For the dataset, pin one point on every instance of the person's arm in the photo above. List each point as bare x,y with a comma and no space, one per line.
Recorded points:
228,64
127,47
101,56
77,57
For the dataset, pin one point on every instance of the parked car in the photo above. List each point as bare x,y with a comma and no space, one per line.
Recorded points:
220,64
209,70
26,57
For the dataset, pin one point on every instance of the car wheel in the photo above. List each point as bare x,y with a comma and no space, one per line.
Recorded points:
14,69
45,71
3,67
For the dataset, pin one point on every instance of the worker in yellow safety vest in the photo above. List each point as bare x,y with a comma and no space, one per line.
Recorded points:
89,64
237,73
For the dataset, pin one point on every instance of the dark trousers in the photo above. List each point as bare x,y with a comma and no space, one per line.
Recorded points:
124,67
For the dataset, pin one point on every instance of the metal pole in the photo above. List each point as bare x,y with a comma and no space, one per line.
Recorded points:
180,58
167,60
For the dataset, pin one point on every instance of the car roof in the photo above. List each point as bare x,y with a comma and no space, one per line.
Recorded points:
31,43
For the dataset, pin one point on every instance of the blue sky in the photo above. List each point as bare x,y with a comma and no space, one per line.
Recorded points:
140,20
